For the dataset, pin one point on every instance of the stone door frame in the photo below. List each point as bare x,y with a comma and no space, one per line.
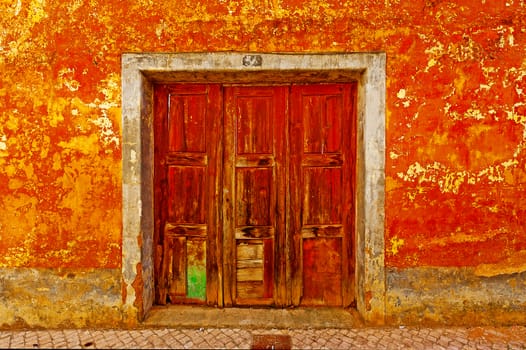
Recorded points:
140,71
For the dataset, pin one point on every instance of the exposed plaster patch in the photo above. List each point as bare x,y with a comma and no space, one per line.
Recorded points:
506,36
18,7
107,134
450,181
65,79
402,95
3,146
471,113
111,90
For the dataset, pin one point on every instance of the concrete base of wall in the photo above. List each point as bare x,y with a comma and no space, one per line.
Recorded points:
61,298
454,296
77,298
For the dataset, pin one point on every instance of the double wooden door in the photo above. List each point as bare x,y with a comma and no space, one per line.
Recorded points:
254,194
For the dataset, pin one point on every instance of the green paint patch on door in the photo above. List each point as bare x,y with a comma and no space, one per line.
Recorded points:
196,269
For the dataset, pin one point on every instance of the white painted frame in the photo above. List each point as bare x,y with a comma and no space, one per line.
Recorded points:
141,70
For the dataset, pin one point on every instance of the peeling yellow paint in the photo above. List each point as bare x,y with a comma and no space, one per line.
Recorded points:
515,263
462,237
393,155
83,144
391,184
56,109
396,243
3,146
37,11
64,78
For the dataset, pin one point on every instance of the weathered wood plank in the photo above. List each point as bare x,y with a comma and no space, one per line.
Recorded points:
255,161
250,289
185,230
249,274
254,232
186,159
250,264
196,275
214,261
322,160
176,266
228,196
252,251
313,231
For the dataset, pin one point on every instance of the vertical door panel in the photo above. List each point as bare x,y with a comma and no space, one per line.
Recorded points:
187,162
186,194
254,269
254,187
321,185
187,121
254,125
253,190
322,271
322,188
196,268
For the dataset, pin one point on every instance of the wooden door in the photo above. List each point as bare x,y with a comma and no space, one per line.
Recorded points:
254,194
187,162
321,210
254,185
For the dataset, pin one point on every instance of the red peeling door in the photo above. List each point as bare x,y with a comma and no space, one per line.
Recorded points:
254,186
186,197
321,209
254,191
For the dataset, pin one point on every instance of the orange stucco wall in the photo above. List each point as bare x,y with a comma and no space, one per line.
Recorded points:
456,108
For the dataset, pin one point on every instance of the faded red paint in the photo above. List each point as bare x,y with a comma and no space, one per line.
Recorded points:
456,81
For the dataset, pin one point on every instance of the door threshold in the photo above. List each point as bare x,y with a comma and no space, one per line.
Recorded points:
187,316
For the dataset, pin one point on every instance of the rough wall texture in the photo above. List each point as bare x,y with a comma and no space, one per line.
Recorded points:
456,128
60,298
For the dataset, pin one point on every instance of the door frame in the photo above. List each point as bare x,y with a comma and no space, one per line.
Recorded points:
141,70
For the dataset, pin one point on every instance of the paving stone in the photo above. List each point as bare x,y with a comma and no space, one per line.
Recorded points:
213,338
5,342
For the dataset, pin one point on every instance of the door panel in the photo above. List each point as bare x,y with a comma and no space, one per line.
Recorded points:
322,271
322,195
254,204
321,186
186,194
254,187
187,162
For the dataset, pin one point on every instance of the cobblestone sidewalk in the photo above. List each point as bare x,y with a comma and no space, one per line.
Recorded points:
214,338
